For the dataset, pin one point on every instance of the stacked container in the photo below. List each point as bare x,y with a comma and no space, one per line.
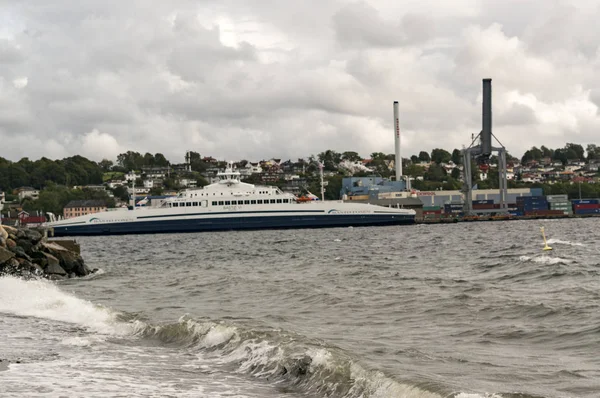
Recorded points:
586,206
453,208
532,206
483,204
560,203
432,211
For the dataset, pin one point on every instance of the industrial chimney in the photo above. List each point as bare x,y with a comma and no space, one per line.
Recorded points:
398,161
486,122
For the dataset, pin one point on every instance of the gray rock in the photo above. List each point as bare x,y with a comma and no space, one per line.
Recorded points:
56,277
70,261
26,244
32,235
10,243
50,260
5,255
10,230
18,250
2,242
55,269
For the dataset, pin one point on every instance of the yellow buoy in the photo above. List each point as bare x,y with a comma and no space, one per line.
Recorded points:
546,247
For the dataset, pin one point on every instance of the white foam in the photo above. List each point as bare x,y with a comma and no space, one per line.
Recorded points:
564,242
545,260
44,299
218,334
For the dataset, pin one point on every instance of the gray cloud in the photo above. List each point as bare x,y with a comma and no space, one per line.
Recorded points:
239,80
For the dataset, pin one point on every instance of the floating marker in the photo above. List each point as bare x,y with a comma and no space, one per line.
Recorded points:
546,247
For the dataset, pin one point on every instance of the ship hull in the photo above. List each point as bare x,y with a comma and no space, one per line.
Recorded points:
205,224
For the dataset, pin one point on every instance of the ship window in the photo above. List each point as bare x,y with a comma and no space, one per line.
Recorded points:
279,201
285,200
221,203
175,204
259,201
214,203
227,203
272,200
195,204
253,202
234,202
246,202
188,204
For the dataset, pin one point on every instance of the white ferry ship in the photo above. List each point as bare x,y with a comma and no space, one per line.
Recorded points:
230,204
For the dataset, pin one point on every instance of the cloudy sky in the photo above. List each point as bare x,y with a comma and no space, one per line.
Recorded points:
278,78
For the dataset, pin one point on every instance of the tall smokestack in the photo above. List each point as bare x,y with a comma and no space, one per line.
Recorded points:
486,122
398,160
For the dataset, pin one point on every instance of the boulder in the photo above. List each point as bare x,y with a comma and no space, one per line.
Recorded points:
9,229
3,233
18,250
2,242
52,248
32,235
49,260
26,244
5,255
69,261
54,269
10,243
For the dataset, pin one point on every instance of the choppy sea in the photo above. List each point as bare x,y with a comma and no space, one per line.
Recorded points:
463,310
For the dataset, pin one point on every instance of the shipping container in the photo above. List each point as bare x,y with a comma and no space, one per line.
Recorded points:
587,211
432,208
484,206
586,206
531,198
560,202
483,202
544,213
557,197
585,201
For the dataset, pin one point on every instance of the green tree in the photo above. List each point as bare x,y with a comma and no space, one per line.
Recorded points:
593,152
330,159
575,150
439,156
435,173
121,192
424,157
351,156
456,156
547,153
106,165
130,160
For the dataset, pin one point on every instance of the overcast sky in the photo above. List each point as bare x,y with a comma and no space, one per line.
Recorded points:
279,78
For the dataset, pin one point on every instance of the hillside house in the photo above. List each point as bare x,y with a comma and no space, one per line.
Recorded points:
77,208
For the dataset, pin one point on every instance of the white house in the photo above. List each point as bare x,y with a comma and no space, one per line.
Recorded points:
115,183
188,182
28,192
131,176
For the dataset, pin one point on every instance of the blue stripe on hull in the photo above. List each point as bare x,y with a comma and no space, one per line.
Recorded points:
233,223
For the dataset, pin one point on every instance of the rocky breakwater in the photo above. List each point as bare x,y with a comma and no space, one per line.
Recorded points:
26,252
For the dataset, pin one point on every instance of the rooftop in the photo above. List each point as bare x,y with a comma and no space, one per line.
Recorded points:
85,203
